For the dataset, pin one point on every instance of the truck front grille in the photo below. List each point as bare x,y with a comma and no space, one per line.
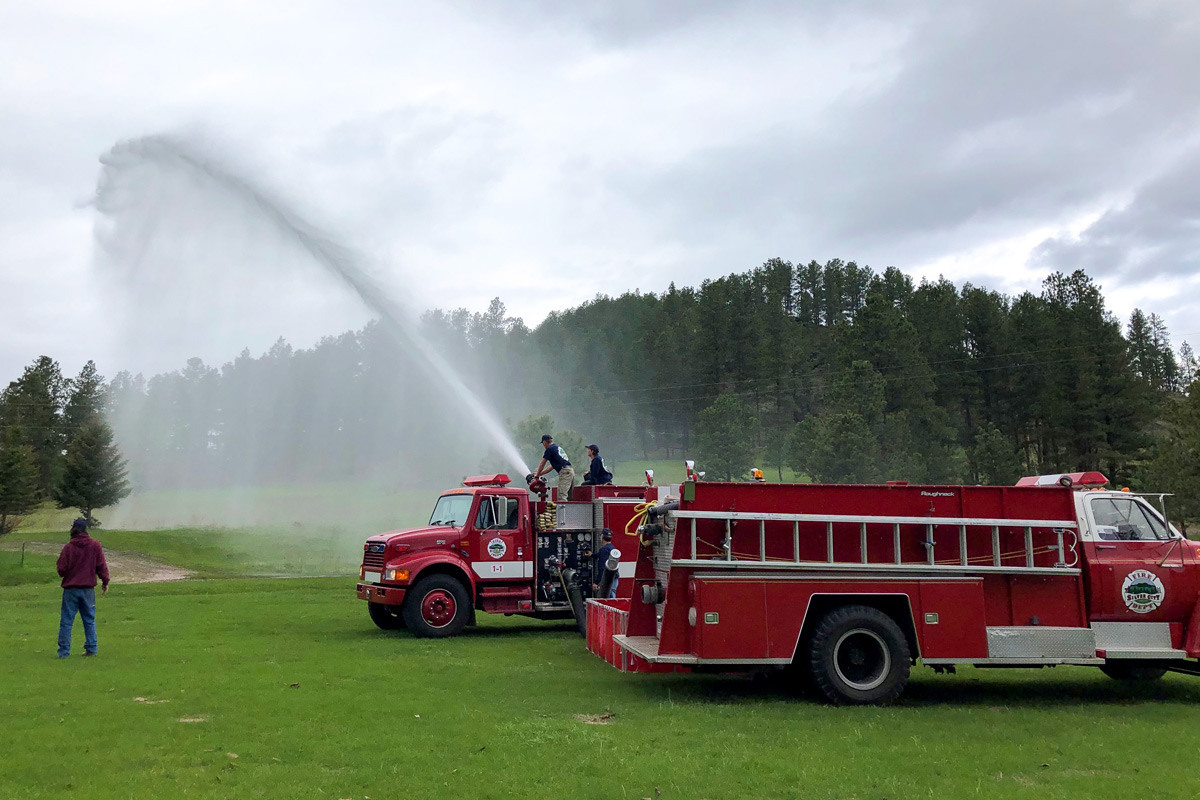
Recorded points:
373,556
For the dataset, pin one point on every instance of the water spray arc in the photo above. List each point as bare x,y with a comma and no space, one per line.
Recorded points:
169,153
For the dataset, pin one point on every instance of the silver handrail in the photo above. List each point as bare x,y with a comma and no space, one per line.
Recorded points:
930,524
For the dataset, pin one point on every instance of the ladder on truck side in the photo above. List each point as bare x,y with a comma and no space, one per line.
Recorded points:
1049,645
1007,645
731,558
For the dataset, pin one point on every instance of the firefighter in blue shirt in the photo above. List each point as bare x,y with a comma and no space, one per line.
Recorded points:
556,458
601,559
597,474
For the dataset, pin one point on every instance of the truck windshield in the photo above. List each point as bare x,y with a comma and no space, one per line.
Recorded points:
451,509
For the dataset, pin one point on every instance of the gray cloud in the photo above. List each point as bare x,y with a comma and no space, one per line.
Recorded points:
622,23
1001,116
1155,235
546,151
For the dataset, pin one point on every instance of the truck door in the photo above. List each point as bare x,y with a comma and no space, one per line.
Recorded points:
499,538
1139,570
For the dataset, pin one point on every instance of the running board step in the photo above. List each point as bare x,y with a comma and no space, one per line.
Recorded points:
646,648
1135,640
1158,655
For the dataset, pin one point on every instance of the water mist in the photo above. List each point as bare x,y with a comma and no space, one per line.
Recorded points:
173,155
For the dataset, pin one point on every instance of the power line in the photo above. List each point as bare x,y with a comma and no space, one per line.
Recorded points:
964,359
812,384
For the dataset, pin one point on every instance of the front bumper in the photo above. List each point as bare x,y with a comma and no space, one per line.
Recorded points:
386,595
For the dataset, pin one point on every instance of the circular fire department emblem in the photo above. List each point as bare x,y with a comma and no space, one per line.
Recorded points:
497,548
1142,591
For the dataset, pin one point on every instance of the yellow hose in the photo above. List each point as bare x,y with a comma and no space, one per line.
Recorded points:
639,512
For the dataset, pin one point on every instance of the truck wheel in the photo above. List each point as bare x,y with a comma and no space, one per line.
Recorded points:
859,655
388,618
438,606
1131,673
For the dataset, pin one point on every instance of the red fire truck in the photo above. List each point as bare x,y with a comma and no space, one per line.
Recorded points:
496,548
845,587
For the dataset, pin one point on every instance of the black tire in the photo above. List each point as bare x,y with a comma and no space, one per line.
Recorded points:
387,618
437,607
1132,672
859,655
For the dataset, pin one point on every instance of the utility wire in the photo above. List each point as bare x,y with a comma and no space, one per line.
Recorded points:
1062,348
809,384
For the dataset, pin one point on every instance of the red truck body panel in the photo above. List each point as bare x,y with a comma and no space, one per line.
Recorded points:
498,563
1013,575
998,600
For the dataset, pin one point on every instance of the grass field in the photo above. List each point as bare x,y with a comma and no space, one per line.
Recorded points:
252,687
298,530
228,552
364,507
16,570
284,689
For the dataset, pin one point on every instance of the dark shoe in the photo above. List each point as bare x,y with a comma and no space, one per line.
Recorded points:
89,655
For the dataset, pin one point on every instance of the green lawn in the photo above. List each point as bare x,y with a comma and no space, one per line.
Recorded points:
344,506
284,689
298,530
227,552
275,530
16,570
358,507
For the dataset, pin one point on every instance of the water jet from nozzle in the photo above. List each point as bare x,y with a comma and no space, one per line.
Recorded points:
174,154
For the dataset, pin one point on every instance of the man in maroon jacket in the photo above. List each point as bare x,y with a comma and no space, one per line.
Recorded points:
79,564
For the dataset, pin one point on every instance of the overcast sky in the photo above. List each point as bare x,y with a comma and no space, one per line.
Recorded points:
545,152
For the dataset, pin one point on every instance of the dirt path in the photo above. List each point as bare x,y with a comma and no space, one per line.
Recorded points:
122,567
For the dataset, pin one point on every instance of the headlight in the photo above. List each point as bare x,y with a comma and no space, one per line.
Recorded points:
391,574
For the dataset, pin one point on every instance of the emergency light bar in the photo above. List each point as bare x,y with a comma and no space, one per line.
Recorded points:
1065,479
499,479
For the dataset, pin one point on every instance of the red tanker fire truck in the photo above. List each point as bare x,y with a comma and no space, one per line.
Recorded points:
496,548
848,586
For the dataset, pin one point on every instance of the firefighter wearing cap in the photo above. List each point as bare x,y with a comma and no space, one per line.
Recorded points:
556,458
597,474
601,559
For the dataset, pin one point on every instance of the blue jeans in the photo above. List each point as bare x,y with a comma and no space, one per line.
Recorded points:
612,592
82,602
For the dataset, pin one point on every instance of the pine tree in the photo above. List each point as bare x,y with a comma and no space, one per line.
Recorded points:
18,480
1141,351
1166,368
836,447
994,458
86,398
726,433
1188,368
527,435
94,474
34,403
1174,465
